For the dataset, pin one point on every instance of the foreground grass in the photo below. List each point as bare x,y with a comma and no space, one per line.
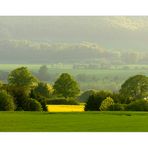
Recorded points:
74,122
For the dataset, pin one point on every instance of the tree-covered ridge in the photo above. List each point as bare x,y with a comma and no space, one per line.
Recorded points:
28,51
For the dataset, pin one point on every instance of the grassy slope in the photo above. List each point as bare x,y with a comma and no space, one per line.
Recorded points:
72,122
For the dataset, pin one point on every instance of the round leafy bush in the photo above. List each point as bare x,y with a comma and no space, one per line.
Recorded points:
43,101
6,102
138,105
32,105
106,104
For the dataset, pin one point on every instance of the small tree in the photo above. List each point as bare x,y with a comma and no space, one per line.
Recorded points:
6,102
66,86
106,104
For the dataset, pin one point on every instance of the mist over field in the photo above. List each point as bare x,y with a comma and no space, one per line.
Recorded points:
115,40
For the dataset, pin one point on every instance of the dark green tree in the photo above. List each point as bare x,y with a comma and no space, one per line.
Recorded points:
41,93
43,89
94,101
32,105
134,88
6,101
66,86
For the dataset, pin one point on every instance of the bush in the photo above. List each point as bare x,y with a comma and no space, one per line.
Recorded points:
43,102
62,101
106,104
6,102
32,105
117,107
94,101
138,105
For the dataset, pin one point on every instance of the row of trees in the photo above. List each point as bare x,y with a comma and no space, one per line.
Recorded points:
133,95
25,92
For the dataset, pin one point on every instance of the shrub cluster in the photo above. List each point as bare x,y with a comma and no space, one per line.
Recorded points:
138,105
6,102
118,107
32,105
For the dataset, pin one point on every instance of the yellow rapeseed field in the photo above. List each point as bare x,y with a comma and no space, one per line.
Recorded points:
65,108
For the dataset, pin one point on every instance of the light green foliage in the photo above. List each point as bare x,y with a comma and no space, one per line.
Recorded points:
6,101
66,86
21,77
21,81
106,104
134,88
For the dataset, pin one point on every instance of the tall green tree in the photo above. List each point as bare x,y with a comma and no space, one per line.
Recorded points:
134,88
66,86
20,82
21,77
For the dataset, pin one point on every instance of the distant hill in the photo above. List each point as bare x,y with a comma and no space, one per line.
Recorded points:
73,39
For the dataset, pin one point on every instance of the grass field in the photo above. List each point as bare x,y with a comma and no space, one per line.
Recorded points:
74,122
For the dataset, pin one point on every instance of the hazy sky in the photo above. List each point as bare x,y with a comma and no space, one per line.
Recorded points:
111,32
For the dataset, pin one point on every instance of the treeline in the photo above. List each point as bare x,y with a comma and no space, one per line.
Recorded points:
133,96
25,92
27,51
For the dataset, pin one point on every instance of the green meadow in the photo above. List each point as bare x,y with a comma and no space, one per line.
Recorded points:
74,122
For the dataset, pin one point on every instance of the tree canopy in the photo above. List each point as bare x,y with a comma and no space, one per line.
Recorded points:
21,77
66,86
134,88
